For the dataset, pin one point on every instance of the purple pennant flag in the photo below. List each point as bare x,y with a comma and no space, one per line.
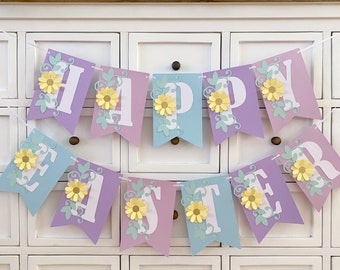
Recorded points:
88,198
148,214
62,89
264,196
313,164
120,102
286,88
233,104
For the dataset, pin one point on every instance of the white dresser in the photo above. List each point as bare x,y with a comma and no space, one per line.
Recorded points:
149,38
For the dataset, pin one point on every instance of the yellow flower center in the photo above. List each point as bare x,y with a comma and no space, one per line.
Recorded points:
272,89
251,198
50,82
302,170
76,190
135,208
218,101
25,159
196,212
107,98
164,104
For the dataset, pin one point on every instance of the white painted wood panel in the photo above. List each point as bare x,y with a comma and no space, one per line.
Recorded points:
8,65
9,263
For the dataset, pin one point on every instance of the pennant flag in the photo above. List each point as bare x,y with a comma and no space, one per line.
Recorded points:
232,100
88,198
35,169
177,108
148,216
264,196
286,88
62,89
313,164
120,102
210,213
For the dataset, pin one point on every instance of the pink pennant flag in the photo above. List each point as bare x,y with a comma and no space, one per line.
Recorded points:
148,214
313,163
120,102
286,88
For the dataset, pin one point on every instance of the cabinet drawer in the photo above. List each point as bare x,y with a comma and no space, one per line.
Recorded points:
98,48
335,263
40,232
9,226
247,48
9,263
286,234
104,151
8,65
246,149
9,136
73,262
276,263
335,66
181,158
175,263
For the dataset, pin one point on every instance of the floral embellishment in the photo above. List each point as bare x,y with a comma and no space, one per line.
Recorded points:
251,198
196,212
107,98
49,82
302,170
219,101
272,89
136,208
165,104
76,190
25,159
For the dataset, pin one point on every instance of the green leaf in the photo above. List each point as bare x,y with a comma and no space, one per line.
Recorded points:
67,210
41,103
240,177
137,186
260,219
133,232
218,86
279,112
315,190
102,121
108,76
56,68
83,168
214,79
55,60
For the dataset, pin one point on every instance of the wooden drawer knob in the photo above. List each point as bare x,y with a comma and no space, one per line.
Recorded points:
175,141
175,215
176,65
74,140
276,140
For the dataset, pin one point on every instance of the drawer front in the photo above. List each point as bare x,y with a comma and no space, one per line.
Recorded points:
73,262
9,263
8,65
40,232
183,157
335,66
175,263
244,46
99,48
9,226
276,263
103,151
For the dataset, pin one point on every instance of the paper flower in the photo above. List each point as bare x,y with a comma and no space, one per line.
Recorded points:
107,98
25,159
165,104
272,89
49,82
302,170
251,198
76,190
219,101
196,212
136,208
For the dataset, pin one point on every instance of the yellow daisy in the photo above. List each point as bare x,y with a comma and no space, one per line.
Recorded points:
107,98
219,101
165,104
196,212
49,82
136,208
251,198
25,159
272,89
302,170
76,190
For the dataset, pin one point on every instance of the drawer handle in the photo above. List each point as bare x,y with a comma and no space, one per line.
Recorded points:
175,141
74,140
176,65
276,140
175,215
